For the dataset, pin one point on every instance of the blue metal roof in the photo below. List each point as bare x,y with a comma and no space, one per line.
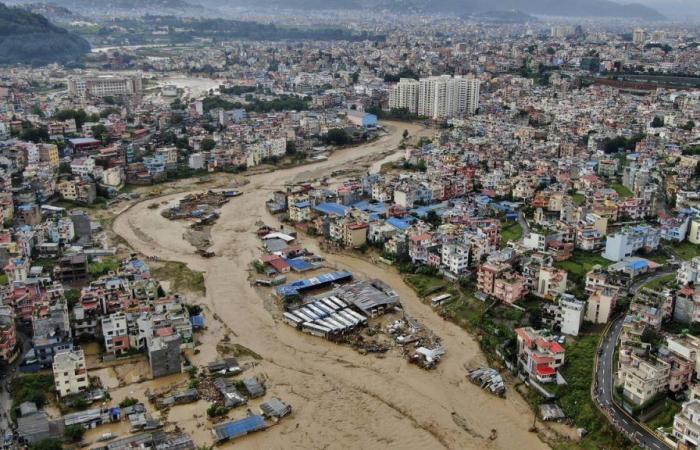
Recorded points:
295,287
638,265
398,223
299,264
332,208
304,204
240,427
197,321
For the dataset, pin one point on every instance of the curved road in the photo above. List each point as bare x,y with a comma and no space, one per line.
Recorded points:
605,385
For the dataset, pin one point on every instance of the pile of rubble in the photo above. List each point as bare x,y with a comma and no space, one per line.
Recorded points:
420,345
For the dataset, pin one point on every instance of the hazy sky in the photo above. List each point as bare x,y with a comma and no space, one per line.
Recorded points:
671,8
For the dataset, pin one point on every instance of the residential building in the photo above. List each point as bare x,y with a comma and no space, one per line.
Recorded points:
539,355
164,355
566,314
600,305
686,425
551,282
69,372
626,242
105,85
444,97
404,95
643,378
115,333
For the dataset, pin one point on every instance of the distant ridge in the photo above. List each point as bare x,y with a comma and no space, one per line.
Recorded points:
30,38
567,8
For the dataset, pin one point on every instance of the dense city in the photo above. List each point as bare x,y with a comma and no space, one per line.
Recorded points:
339,229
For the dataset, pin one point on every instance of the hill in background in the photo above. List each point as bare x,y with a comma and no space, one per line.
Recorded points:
30,38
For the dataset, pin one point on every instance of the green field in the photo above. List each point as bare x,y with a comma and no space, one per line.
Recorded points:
621,190
686,250
660,282
425,284
511,232
579,199
581,263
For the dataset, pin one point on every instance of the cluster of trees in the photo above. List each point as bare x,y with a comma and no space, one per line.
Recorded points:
281,103
403,73
79,115
337,136
237,90
617,143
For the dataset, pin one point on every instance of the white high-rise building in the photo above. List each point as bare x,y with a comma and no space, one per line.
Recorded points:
639,36
405,95
444,97
105,85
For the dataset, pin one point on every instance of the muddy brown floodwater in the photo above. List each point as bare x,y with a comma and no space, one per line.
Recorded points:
341,399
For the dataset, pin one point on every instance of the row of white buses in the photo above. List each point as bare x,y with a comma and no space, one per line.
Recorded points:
325,317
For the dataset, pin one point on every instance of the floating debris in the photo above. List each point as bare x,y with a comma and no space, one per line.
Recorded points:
488,379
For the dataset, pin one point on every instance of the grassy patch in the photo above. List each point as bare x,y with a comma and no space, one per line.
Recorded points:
580,264
575,396
425,284
511,232
181,277
579,199
30,388
664,418
686,250
237,350
661,282
622,191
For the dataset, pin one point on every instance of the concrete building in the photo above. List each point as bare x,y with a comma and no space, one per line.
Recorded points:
164,355
626,242
8,334
600,305
643,379
69,372
694,231
361,119
404,95
445,97
539,355
566,314
550,283
105,85
115,333
686,425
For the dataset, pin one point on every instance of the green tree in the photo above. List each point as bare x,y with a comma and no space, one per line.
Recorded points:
47,444
207,144
337,136
74,433
658,122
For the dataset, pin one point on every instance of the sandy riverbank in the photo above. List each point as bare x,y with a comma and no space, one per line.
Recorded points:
341,399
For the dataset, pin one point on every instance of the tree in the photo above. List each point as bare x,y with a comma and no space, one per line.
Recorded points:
433,219
72,296
128,401
99,132
405,134
74,433
207,144
291,148
47,444
689,125
337,136
658,122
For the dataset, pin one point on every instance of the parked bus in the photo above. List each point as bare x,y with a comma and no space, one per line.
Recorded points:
440,300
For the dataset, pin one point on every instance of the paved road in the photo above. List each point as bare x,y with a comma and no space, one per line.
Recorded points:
523,223
605,373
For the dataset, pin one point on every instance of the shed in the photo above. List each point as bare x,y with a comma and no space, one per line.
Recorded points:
275,408
253,387
238,428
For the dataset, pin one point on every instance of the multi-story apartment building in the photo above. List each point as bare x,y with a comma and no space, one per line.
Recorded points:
686,425
642,378
69,372
626,242
116,334
444,97
566,314
8,334
455,258
600,305
405,95
539,355
550,283
105,85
